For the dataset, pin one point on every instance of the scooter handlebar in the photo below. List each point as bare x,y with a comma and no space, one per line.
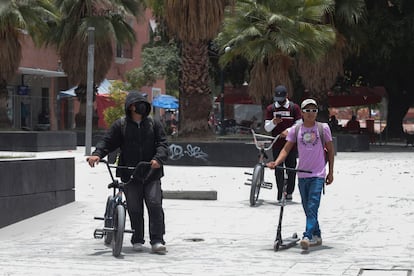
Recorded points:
291,169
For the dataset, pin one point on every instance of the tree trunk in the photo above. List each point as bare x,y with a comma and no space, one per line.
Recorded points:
399,87
398,105
195,96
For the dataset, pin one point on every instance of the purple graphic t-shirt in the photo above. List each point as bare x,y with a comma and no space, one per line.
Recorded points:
310,150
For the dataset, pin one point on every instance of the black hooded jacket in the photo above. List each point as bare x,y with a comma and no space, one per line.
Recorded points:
140,142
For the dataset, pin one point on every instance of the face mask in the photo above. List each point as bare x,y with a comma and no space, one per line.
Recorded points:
141,108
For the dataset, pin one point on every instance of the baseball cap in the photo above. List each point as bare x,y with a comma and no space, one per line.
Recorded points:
308,101
280,93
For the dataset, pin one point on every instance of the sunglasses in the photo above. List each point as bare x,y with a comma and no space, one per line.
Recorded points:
310,110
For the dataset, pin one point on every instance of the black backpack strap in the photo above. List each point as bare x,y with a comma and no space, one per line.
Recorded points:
123,126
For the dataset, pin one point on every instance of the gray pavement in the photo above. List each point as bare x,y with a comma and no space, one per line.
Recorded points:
366,217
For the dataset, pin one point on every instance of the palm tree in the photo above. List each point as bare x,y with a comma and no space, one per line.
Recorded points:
287,37
345,18
109,18
270,34
194,23
16,17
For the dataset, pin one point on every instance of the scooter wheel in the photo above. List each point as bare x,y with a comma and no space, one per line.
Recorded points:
276,245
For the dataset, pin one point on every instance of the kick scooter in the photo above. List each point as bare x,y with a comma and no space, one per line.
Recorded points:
291,241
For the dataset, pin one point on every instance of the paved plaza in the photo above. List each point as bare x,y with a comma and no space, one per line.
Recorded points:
366,217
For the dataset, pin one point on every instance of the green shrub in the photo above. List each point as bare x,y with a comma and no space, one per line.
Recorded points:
118,94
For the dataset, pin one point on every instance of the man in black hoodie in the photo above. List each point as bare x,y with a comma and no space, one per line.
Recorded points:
139,138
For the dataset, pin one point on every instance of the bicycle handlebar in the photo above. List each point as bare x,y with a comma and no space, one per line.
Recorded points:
138,170
272,140
139,165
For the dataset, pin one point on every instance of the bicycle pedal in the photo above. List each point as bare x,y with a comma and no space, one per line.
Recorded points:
99,218
267,185
98,234
248,183
248,173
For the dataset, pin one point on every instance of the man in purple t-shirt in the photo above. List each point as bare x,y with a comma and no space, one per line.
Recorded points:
279,116
311,158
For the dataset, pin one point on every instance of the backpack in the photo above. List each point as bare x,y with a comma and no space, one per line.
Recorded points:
321,134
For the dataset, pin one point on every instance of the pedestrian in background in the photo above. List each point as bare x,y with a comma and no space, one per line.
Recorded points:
311,158
353,126
279,116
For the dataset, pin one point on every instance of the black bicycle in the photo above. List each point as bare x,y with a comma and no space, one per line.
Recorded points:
115,209
263,143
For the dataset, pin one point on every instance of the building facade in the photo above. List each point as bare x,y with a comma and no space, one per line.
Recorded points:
35,101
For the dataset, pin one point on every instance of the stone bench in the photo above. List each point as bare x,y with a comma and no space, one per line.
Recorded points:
33,186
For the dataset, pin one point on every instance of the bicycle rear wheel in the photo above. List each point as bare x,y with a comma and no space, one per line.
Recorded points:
108,220
119,227
257,179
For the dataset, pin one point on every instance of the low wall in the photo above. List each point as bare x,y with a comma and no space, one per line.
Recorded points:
37,141
226,154
96,136
33,186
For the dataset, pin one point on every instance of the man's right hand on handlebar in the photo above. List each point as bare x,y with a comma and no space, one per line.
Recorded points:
92,160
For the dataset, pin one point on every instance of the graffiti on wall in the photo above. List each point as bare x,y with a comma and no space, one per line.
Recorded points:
177,152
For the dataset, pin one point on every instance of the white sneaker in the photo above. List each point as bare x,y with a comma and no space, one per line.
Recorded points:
304,243
137,247
158,248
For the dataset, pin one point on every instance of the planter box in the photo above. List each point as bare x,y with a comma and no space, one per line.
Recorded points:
37,141
31,187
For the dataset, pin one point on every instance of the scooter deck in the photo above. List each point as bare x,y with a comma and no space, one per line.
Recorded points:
289,242
286,243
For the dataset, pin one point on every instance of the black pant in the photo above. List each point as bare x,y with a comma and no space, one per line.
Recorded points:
290,162
151,193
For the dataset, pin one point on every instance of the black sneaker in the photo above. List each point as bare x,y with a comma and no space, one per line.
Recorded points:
289,197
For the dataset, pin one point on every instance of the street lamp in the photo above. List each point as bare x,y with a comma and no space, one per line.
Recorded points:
222,127
89,90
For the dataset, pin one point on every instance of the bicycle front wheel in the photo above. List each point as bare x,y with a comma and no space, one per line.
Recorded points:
108,221
257,179
119,227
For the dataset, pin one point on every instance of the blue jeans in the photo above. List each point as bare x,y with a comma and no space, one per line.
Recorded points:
310,192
